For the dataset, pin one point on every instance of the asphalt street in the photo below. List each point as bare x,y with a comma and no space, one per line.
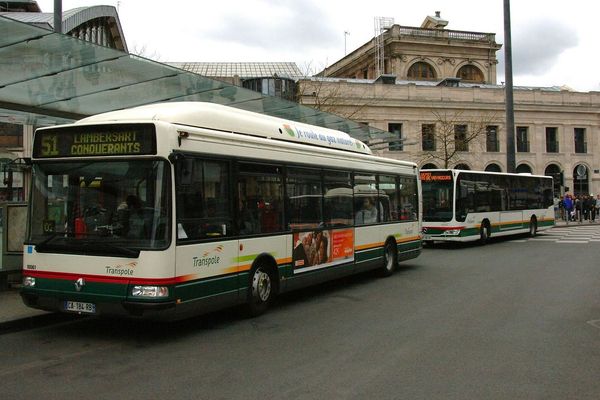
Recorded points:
515,319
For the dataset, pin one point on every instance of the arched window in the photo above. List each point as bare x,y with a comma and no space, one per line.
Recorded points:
421,70
553,170
493,168
523,169
581,177
470,73
429,166
462,166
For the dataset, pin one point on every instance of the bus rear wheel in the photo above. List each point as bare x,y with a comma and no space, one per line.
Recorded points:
484,232
261,290
533,227
390,258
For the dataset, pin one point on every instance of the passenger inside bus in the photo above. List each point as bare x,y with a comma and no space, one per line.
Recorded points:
367,214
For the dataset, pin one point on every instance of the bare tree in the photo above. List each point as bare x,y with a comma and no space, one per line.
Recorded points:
144,52
326,95
454,132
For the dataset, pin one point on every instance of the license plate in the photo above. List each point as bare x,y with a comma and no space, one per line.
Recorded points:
80,307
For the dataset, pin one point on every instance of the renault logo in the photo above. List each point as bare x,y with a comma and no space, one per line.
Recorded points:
79,284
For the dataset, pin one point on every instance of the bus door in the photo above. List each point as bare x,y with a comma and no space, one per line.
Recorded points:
512,217
207,252
259,217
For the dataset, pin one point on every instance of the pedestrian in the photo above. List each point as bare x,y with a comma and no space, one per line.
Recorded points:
593,205
585,207
568,206
561,207
577,206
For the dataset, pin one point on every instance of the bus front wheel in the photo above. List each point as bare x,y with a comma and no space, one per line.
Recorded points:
261,290
390,258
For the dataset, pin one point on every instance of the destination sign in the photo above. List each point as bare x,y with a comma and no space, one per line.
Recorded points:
95,140
436,176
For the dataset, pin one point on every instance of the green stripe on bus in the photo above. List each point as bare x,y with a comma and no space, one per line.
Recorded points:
368,255
250,257
230,283
92,292
409,246
207,287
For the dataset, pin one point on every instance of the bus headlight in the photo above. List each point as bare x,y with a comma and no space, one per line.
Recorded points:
452,232
150,291
28,281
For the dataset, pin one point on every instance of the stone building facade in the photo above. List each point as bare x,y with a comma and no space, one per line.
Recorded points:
557,130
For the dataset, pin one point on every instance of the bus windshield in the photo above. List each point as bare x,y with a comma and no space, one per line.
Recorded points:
100,207
437,196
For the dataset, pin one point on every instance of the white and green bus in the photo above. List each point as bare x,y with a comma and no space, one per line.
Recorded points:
474,205
175,209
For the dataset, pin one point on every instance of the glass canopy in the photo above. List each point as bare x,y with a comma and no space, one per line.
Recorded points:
48,78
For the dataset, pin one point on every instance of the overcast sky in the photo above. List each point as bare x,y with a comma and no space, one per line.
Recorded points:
554,42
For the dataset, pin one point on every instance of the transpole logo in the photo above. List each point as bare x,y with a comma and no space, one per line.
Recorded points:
289,130
121,269
208,258
218,249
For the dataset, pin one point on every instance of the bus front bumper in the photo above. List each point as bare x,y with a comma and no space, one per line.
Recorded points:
152,310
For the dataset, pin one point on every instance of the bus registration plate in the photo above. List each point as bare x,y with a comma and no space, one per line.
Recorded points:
78,306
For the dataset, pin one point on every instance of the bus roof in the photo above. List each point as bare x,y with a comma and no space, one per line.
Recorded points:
486,172
229,119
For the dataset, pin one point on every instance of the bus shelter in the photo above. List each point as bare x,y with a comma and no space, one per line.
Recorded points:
48,78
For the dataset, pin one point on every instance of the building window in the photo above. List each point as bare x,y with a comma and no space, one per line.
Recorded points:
429,166
11,135
551,140
470,73
278,87
523,169
493,168
580,143
428,137
491,139
421,70
460,138
580,180
464,167
522,139
554,171
396,130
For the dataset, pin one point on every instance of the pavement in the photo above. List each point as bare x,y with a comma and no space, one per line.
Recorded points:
16,315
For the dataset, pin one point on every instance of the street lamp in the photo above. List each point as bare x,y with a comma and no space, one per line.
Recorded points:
510,112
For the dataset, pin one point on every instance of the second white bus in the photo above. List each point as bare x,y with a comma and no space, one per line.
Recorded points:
474,205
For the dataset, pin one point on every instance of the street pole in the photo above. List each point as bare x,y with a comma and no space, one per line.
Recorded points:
511,164
58,16
346,33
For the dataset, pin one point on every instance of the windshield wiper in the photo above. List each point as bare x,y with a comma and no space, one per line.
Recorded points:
41,246
115,250
87,248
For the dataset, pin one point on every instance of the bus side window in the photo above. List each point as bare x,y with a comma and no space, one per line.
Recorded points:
203,200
